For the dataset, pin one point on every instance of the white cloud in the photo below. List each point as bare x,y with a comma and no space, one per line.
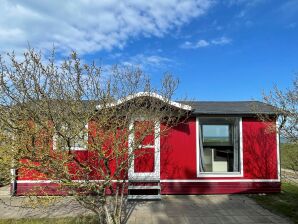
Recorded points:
90,25
194,45
221,41
202,43
205,43
146,62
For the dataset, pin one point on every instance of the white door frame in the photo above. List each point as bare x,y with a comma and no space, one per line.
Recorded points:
132,175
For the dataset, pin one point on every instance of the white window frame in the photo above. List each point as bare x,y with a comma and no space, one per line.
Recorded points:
219,174
73,148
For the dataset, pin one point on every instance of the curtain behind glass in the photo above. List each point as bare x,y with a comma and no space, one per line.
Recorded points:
202,160
236,145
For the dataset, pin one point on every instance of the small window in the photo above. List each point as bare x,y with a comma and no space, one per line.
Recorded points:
76,142
219,150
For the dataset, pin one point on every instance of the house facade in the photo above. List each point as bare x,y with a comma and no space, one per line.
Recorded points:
222,148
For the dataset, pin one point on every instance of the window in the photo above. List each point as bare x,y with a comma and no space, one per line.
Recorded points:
216,134
219,145
144,136
78,142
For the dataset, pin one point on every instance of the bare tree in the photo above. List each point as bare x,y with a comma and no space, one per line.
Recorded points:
286,110
48,110
286,104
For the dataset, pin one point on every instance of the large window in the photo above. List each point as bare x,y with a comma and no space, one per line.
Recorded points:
219,145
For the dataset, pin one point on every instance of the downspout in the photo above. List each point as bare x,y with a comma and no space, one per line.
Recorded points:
13,188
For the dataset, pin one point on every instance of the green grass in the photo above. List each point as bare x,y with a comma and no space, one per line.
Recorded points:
75,220
289,156
284,203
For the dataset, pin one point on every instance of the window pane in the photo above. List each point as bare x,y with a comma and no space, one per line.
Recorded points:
76,142
216,133
219,147
80,141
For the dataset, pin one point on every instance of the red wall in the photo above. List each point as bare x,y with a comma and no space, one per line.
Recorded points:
178,151
178,162
259,149
31,174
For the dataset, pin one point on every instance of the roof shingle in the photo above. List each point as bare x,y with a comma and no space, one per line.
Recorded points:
230,107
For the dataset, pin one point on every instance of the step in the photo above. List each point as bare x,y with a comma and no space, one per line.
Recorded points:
144,180
144,197
139,187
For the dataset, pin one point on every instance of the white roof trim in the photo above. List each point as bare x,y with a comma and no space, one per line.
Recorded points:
154,95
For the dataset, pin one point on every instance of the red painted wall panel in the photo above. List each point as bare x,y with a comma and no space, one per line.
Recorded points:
260,149
220,188
178,152
29,174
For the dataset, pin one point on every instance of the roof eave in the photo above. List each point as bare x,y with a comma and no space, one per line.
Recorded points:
196,113
148,94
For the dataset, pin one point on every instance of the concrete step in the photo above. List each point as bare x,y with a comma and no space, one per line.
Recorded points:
144,197
144,189
143,180
140,187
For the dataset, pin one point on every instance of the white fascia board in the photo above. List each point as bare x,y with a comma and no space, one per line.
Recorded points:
148,94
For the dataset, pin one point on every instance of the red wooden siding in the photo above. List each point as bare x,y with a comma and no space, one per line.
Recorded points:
260,149
178,161
220,188
178,152
178,165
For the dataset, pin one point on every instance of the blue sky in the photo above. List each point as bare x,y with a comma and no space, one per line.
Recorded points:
219,50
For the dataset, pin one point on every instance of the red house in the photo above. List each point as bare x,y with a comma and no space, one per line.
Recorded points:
223,148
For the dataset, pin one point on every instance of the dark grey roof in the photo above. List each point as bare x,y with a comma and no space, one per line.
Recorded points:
230,107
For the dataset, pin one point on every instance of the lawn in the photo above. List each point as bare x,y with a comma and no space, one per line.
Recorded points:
284,203
75,220
289,156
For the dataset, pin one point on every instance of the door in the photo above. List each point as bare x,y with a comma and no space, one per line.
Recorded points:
144,146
